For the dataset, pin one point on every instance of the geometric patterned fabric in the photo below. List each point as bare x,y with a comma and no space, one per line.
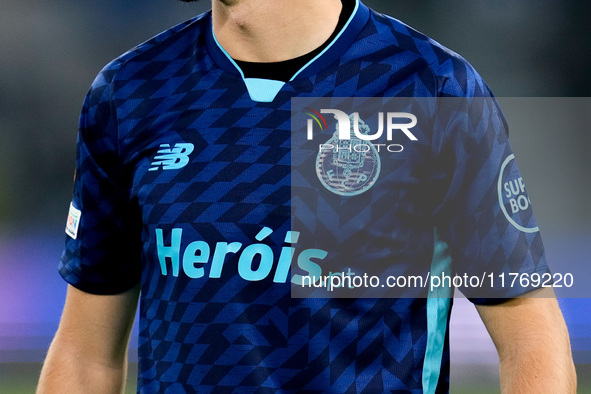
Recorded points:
182,179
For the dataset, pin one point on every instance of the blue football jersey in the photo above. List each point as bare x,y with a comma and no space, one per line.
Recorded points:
184,184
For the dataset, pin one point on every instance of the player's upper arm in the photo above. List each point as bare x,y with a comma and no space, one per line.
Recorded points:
90,347
533,343
99,324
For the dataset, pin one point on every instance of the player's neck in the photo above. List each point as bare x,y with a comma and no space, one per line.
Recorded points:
273,30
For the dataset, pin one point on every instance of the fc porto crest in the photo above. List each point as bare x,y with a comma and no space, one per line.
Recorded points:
351,166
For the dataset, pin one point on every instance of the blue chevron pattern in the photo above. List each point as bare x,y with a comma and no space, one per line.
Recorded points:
191,235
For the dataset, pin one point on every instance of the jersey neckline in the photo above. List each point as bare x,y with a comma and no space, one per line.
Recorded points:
265,90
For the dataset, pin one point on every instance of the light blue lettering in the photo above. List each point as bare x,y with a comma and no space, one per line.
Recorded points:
196,253
514,207
361,178
264,233
522,202
305,262
508,195
255,263
219,257
247,258
286,257
283,265
521,184
515,190
172,251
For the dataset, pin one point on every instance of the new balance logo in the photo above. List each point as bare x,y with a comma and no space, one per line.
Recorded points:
172,159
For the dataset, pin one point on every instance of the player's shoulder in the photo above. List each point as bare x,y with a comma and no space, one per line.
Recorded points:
455,75
166,46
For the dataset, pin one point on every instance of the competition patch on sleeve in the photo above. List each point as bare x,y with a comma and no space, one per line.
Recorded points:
73,221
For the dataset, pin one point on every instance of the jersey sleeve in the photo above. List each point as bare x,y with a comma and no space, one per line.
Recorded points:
102,249
484,213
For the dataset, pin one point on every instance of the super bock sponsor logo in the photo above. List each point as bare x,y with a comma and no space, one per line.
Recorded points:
513,198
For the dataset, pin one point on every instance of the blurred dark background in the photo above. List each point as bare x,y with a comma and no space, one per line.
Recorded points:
51,51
